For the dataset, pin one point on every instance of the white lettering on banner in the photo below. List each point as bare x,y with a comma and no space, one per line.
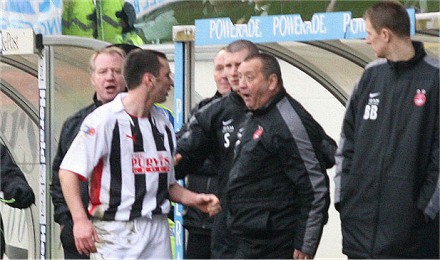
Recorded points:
355,25
179,111
223,28
294,25
178,237
42,16
42,126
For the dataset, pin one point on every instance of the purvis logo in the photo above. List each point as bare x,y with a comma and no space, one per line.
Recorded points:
142,164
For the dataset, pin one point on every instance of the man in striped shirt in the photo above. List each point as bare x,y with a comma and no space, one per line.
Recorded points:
125,151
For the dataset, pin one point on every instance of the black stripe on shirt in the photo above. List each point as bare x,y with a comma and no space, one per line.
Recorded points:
139,179
115,175
162,189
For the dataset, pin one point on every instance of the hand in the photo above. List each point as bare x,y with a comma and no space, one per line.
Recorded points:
21,193
300,255
177,158
208,203
85,237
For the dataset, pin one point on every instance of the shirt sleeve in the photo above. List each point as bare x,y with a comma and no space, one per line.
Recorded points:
88,147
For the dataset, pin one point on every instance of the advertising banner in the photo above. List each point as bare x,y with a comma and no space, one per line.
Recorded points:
43,16
283,28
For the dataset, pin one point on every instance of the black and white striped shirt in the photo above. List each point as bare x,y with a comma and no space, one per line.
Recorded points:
127,160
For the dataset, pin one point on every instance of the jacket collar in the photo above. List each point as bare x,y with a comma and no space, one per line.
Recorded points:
275,99
97,102
420,53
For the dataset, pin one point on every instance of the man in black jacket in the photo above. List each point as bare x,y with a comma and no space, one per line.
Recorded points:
213,130
16,190
204,178
107,80
278,190
387,165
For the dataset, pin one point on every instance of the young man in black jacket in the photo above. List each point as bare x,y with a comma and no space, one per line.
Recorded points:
107,80
387,166
213,130
204,177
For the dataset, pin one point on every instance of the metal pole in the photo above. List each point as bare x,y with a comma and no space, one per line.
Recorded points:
183,37
45,77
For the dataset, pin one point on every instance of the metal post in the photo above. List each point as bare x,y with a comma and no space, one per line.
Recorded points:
183,37
45,77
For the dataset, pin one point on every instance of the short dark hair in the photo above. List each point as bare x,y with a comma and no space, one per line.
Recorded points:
139,62
270,65
239,45
391,15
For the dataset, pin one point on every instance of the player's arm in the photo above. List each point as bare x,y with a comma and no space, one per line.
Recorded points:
208,203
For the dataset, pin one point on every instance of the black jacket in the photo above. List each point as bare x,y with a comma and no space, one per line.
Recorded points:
14,186
13,183
68,132
387,174
213,130
278,182
203,179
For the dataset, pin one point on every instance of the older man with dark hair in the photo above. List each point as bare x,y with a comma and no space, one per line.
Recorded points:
278,190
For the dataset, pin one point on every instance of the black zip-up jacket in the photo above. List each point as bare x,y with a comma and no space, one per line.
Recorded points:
203,179
69,131
213,130
278,182
387,174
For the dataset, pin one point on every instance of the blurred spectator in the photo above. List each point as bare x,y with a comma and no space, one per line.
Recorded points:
129,35
107,80
76,18
108,26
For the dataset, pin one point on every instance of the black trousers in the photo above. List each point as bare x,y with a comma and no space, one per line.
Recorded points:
223,244
198,246
270,245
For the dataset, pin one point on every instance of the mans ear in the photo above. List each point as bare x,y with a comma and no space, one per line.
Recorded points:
147,79
273,82
386,34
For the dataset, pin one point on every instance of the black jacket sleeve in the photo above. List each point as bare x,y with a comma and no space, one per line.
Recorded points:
193,141
68,133
13,182
61,214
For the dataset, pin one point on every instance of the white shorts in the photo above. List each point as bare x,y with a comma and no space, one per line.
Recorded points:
141,238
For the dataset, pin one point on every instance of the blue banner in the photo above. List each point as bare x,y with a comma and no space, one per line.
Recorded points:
179,74
283,28
43,16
